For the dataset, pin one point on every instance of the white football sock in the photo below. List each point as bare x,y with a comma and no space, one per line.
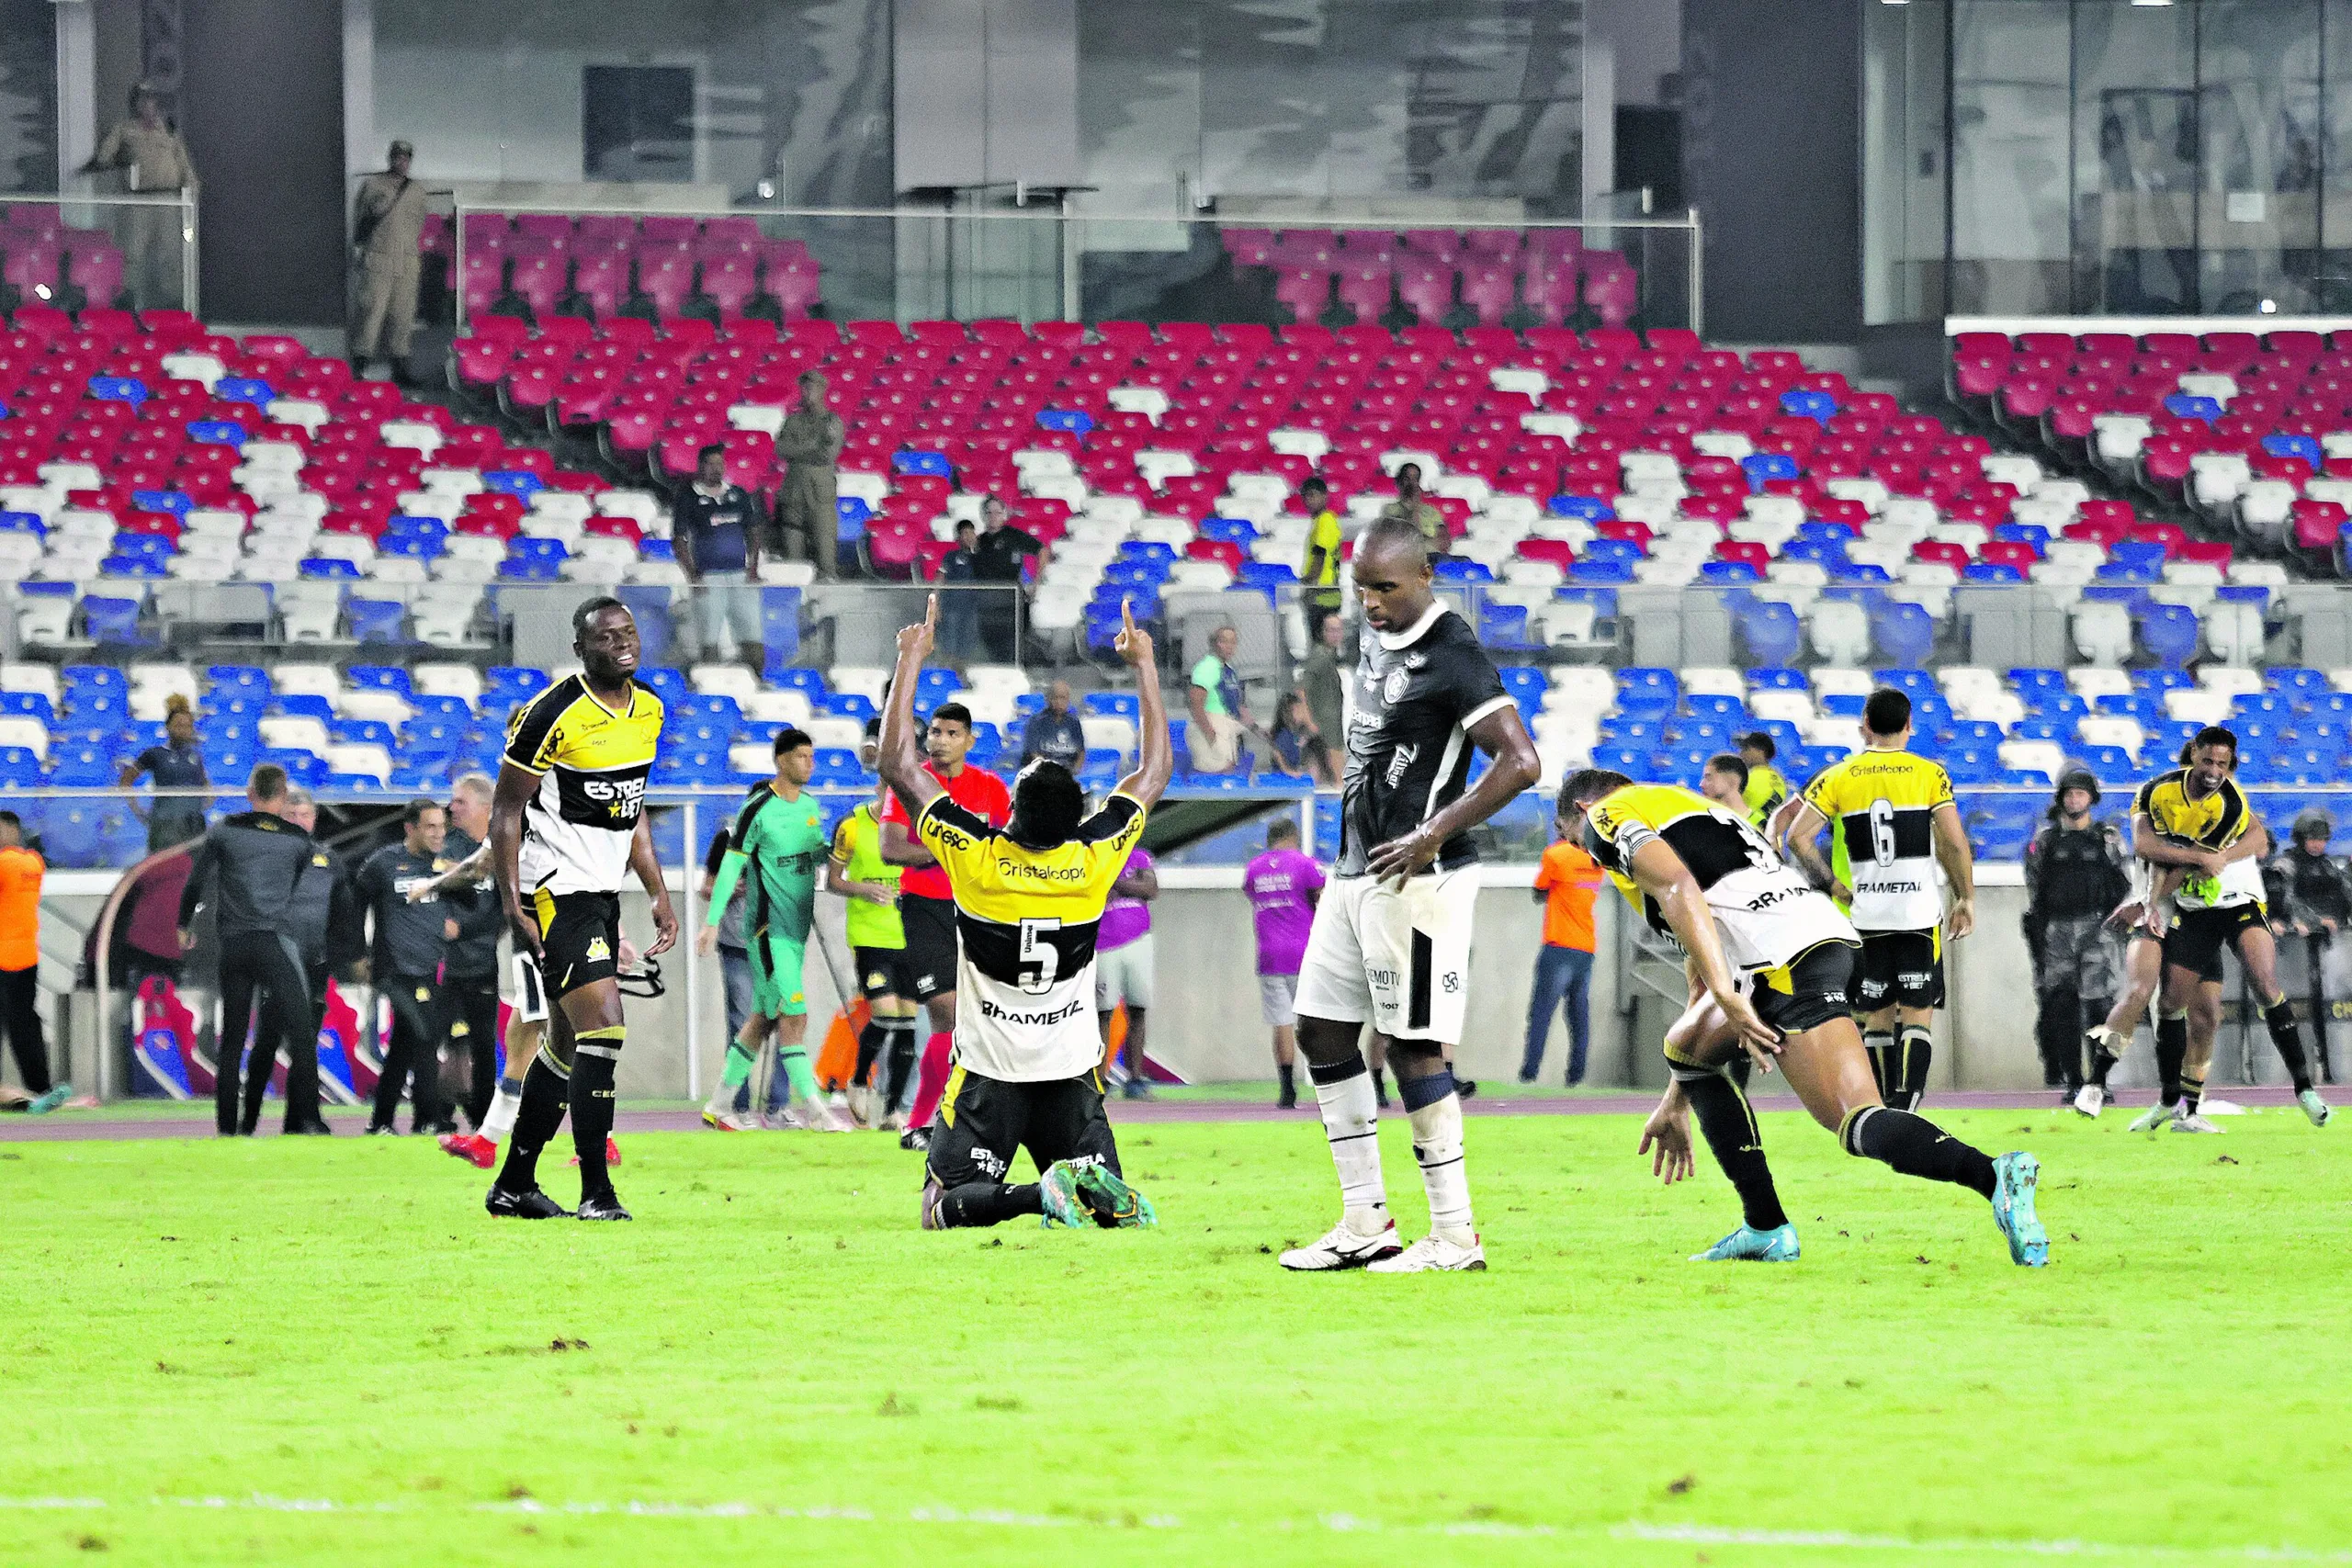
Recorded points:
499,1126
1437,1146
1351,1124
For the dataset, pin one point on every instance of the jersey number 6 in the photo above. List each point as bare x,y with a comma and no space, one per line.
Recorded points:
1040,959
1882,832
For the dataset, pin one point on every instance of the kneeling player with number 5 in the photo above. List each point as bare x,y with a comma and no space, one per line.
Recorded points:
1029,896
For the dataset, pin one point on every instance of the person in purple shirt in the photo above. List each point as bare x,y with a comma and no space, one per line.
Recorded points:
1122,962
1283,885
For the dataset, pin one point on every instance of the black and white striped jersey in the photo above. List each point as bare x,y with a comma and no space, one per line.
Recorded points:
1417,692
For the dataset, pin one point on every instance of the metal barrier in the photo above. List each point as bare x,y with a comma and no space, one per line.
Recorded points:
137,251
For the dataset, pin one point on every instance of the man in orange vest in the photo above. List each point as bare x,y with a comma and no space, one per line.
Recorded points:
1565,881
21,869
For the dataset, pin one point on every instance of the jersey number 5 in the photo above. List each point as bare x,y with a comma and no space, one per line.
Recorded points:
1040,959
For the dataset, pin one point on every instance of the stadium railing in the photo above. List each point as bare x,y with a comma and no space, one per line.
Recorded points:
132,251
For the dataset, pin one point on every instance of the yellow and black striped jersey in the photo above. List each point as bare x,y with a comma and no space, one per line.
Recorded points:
2213,821
1883,805
592,765
1027,920
1765,913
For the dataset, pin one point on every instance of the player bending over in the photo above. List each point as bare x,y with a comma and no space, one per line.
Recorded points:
1772,959
1391,939
779,834
1028,896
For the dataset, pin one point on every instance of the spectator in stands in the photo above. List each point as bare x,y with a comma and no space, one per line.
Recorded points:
713,529
1411,506
1766,788
1724,781
1054,732
1325,685
1566,881
248,871
412,941
153,161
21,868
387,222
325,917
1221,727
1001,556
1124,963
1298,743
1320,570
808,513
959,608
470,977
178,764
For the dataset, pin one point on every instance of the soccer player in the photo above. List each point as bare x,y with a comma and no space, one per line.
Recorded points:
567,827
1028,900
1391,939
926,903
1898,820
1770,959
779,834
1283,885
1764,787
2197,819
1725,781
878,940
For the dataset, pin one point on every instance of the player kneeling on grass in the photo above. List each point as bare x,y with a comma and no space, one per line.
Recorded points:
1770,960
1027,1064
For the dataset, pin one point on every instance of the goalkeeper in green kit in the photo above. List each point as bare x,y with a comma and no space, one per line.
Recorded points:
778,841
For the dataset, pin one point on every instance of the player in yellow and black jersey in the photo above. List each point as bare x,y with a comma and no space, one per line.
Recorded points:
1897,822
2203,843
1029,897
1768,960
567,829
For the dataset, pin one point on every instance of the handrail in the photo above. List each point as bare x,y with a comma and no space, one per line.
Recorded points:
1045,215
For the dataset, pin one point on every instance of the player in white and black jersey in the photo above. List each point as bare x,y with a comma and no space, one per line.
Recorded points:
1391,941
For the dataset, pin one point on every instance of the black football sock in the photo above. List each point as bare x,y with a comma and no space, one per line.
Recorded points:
869,1046
2284,1034
592,1066
1380,1088
2192,1094
1917,1051
2172,1050
545,1090
1879,1044
1917,1146
2105,1052
989,1203
1289,1075
1729,1126
900,1063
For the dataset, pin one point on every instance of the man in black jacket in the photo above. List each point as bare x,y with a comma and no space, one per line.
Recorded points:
2314,895
470,977
2075,874
247,869
404,965
323,918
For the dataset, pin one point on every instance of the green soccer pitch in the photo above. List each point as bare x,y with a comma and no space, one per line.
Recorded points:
294,1350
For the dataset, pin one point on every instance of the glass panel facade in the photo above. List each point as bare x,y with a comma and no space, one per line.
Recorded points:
2108,157
28,96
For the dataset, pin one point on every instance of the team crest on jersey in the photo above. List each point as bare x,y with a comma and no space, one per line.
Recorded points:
597,952
1394,688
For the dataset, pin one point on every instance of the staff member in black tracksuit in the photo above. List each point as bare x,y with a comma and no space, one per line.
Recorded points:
246,870
404,965
469,975
323,918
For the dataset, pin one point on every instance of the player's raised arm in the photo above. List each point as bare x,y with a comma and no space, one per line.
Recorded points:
1657,871
899,760
1155,758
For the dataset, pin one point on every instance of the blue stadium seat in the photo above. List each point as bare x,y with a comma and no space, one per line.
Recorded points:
216,433
108,618
520,482
2168,632
1904,632
668,684
19,768
933,465
1764,466
303,704
1770,633
1589,508
374,620
1121,704
810,683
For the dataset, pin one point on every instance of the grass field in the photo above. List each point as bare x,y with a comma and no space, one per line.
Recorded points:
297,1351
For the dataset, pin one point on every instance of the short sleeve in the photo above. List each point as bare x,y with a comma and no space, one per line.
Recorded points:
1942,783
1545,869
2143,798
1111,837
841,847
532,740
1822,793
1205,674
1312,877
1472,682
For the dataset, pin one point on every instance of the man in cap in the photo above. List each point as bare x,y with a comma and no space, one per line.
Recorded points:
153,159
2315,895
2077,872
387,222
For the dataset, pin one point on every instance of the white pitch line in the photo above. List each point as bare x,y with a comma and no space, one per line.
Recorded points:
1710,1535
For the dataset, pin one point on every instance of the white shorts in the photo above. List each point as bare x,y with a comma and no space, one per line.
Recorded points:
1278,1000
1124,975
1399,961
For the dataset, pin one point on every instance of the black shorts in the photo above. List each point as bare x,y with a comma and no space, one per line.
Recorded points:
581,935
1906,968
930,925
883,972
982,1123
1808,991
2196,937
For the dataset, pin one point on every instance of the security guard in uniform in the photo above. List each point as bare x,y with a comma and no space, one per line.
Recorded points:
387,223
808,513
153,161
2078,870
2314,893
